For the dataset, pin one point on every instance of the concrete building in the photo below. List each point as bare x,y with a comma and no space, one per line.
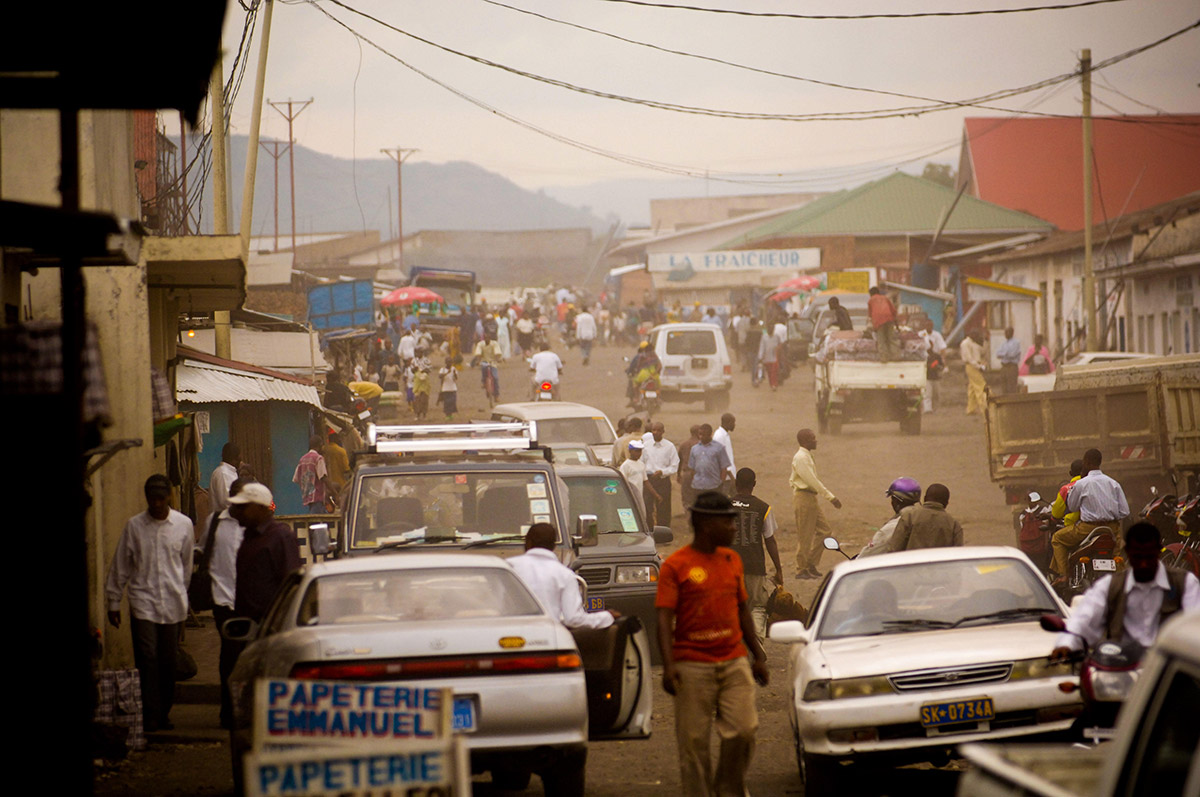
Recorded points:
676,215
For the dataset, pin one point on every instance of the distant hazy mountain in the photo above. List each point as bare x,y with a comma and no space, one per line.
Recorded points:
338,194
629,200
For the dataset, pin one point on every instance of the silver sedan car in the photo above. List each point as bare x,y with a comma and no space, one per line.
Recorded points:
523,691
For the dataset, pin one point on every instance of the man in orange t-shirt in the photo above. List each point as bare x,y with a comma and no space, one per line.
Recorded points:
704,628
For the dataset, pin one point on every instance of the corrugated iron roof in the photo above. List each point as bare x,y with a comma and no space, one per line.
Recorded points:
898,204
204,383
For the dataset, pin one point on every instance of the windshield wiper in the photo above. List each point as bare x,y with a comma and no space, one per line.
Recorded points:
622,531
916,623
386,546
490,540
1003,614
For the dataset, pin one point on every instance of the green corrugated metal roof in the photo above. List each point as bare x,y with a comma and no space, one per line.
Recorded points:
897,204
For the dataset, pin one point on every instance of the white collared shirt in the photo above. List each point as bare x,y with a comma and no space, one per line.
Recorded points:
661,456
218,486
1142,608
1097,498
222,566
153,561
555,586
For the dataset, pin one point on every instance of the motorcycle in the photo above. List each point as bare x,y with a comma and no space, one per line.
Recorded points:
364,416
543,391
646,396
1096,555
1161,511
1037,526
1185,554
1107,673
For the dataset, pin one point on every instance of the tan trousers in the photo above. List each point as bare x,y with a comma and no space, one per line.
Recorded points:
811,529
724,690
1066,538
976,390
759,588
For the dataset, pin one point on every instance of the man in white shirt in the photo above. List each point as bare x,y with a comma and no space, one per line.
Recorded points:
585,333
662,463
935,344
546,367
975,364
223,476
407,348
222,569
1133,607
153,561
721,436
554,583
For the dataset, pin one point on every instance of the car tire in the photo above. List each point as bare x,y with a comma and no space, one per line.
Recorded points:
567,776
511,779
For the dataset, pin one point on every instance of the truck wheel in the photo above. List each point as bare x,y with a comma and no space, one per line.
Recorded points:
834,420
566,777
723,401
911,424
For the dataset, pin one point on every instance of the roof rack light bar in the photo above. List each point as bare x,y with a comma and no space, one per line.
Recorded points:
451,437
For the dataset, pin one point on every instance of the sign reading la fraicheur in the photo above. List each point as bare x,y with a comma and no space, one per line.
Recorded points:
795,259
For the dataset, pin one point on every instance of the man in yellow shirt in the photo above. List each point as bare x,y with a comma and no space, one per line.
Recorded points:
1059,508
811,527
338,463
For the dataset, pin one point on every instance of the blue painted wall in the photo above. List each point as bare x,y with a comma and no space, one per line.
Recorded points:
289,441
218,436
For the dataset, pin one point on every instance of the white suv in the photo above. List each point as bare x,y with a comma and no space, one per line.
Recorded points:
695,363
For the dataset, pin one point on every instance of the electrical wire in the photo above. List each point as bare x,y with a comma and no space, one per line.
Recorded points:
761,116
912,15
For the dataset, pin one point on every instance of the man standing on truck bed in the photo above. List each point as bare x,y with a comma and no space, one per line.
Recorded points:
883,320
1098,499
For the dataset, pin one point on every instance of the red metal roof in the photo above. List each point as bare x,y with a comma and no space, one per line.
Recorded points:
1036,165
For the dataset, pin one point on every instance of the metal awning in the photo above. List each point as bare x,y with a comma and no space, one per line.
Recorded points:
980,290
900,286
206,383
204,272
620,271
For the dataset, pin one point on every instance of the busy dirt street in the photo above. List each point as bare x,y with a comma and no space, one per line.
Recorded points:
857,465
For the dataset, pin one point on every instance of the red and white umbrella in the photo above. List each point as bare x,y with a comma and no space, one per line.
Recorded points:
412,295
801,284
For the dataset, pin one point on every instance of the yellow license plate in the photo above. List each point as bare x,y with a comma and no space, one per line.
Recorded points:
978,709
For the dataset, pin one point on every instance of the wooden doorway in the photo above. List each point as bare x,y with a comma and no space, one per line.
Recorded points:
250,429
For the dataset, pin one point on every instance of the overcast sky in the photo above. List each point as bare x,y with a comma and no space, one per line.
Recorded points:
365,100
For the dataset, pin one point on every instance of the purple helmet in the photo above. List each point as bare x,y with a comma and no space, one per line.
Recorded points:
905,490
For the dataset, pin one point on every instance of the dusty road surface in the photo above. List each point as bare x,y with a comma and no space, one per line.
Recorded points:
857,466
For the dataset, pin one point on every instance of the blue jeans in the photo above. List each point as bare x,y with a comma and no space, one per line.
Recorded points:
483,372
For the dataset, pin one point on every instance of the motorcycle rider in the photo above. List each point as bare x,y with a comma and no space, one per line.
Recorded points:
546,367
1130,605
1058,509
903,492
645,365
1098,499
488,355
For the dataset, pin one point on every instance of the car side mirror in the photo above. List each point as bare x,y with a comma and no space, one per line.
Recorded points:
318,539
587,531
789,631
239,629
663,535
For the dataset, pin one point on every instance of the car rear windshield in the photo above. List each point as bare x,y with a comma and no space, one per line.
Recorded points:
589,431
931,595
449,508
691,341
606,497
417,594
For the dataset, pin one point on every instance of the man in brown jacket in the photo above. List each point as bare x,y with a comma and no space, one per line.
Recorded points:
927,525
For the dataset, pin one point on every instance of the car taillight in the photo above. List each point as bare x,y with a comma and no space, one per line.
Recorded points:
728,370
436,668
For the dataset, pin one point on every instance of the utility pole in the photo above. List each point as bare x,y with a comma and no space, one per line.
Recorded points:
1089,276
222,344
291,117
273,149
399,154
256,104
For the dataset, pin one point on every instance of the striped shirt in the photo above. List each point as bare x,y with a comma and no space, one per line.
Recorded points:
1097,498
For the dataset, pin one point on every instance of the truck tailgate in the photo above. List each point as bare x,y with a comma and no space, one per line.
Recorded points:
1047,770
860,375
1034,437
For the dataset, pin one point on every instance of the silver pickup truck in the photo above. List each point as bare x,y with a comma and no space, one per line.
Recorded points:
1156,749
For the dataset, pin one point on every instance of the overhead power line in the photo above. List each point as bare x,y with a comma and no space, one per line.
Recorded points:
911,15
885,113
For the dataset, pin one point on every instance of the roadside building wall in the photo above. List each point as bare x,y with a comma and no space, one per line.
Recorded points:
673,215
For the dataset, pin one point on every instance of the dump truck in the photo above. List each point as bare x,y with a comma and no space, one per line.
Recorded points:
1143,416
457,287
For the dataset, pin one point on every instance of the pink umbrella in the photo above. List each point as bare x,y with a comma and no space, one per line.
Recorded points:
411,295
806,282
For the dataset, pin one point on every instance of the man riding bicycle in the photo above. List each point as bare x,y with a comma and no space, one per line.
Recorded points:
489,355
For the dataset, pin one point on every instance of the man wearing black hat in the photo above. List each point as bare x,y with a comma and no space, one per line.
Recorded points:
704,628
153,561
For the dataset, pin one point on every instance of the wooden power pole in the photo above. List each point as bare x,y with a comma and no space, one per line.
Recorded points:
291,117
1089,276
399,154
273,149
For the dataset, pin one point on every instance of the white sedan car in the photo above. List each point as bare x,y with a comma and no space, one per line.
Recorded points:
908,654
525,692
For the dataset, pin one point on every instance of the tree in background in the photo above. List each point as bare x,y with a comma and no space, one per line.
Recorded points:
940,173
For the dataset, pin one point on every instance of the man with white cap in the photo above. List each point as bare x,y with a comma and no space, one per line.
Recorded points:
269,551
634,471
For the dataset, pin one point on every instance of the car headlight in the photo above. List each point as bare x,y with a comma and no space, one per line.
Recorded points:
637,574
860,687
816,690
1040,668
